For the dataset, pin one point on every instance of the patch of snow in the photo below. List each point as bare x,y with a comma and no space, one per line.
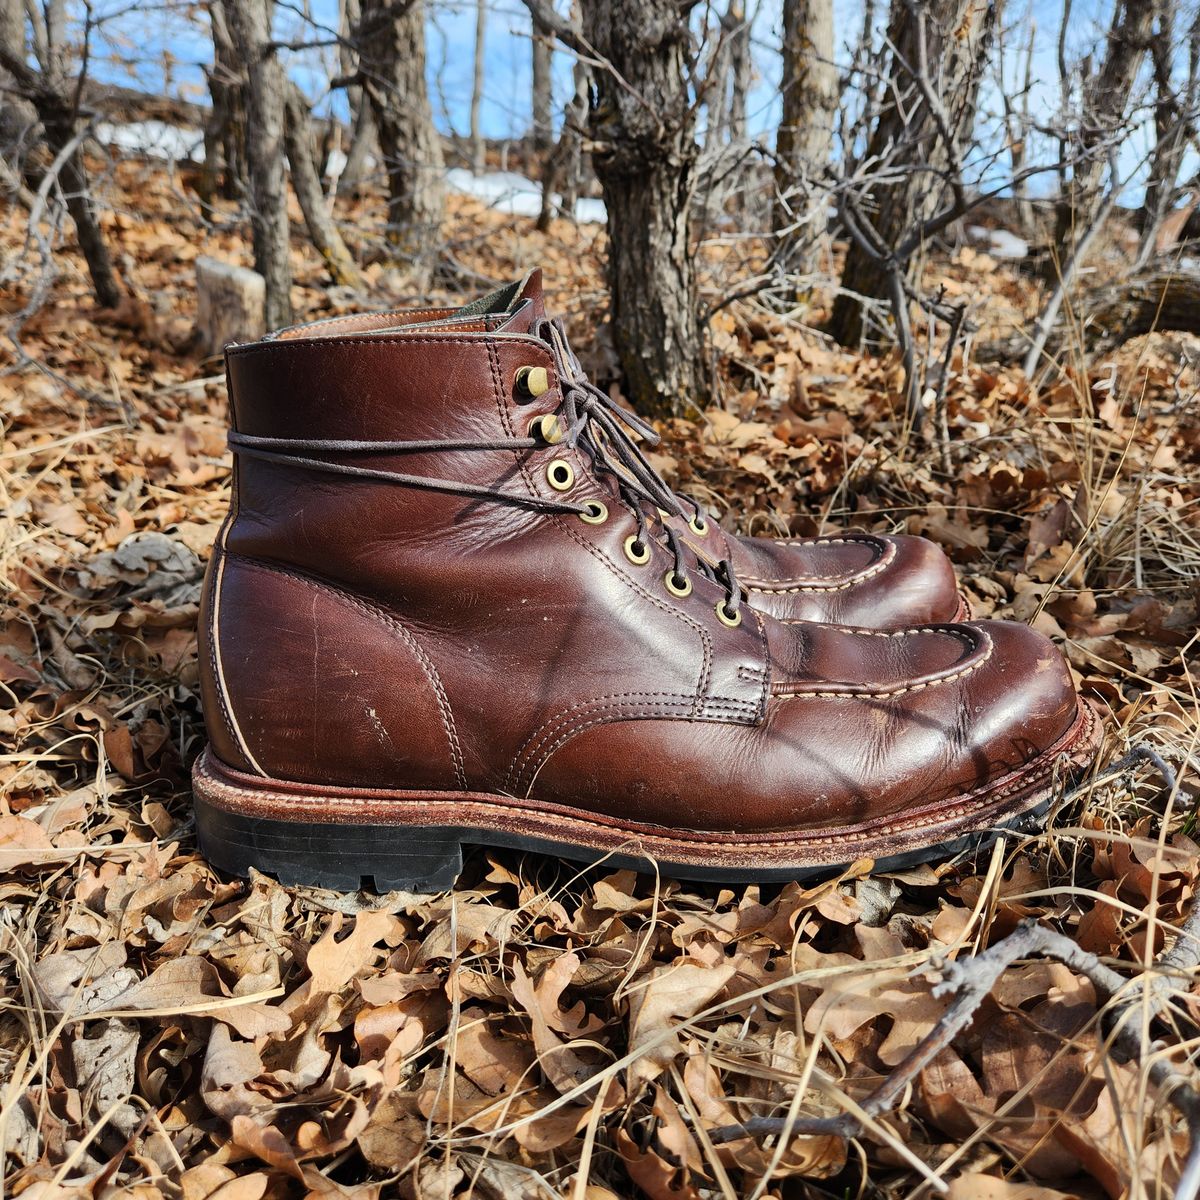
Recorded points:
513,194
154,139
1007,245
1001,243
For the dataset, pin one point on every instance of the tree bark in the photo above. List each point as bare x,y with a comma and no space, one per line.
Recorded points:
810,104
250,24
478,146
60,122
739,70
364,138
1105,103
645,157
53,91
225,131
543,120
1018,126
306,183
1174,125
392,48
18,118
565,162
912,142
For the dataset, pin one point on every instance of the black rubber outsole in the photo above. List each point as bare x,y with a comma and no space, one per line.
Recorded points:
388,858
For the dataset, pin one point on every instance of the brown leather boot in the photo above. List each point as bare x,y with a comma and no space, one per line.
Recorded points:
438,614
865,579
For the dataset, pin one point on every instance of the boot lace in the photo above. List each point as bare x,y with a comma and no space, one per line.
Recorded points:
594,423
590,421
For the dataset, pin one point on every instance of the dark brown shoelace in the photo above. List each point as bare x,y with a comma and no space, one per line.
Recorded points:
590,422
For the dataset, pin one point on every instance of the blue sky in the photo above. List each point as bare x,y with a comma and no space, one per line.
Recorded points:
164,44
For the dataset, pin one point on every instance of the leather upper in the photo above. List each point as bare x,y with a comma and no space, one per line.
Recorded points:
359,633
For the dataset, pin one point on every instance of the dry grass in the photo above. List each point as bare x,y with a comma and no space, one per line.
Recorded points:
543,1030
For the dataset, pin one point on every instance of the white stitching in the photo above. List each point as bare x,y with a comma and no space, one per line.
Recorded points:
1025,779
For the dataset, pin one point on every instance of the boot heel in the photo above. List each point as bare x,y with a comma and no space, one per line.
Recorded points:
344,858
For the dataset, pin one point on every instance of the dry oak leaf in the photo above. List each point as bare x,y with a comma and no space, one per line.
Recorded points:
23,843
213,1181
987,1187
654,1175
667,995
332,963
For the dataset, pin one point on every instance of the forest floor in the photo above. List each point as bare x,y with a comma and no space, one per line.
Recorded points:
544,1030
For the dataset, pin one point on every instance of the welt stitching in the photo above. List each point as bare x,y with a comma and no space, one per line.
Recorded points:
971,802
431,672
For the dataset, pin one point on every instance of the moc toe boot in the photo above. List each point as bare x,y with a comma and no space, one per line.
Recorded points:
445,612
872,580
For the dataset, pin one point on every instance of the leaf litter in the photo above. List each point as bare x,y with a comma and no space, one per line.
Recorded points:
545,1030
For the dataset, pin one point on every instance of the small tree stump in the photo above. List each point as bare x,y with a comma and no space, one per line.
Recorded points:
229,305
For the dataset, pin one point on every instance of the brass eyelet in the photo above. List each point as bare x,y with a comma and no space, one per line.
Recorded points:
596,512
639,559
531,382
547,428
698,525
677,589
724,617
560,475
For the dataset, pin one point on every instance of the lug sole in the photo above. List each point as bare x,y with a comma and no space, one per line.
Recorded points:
376,840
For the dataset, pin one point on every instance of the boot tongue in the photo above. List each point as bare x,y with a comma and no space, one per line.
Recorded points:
526,307
531,290
519,320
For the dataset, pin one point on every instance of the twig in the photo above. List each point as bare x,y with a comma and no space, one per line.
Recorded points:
971,980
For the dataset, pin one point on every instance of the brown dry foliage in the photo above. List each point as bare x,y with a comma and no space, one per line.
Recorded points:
543,1030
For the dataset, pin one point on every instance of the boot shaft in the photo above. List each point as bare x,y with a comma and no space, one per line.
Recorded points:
487,627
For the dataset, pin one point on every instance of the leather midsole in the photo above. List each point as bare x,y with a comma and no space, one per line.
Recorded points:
476,813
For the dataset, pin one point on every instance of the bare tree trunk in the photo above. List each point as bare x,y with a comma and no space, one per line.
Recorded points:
250,24
478,147
364,141
570,140
645,157
564,164
18,118
1017,126
225,130
364,138
916,137
306,183
716,83
543,120
739,70
1105,103
810,104
392,46
60,124
1174,126
54,93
